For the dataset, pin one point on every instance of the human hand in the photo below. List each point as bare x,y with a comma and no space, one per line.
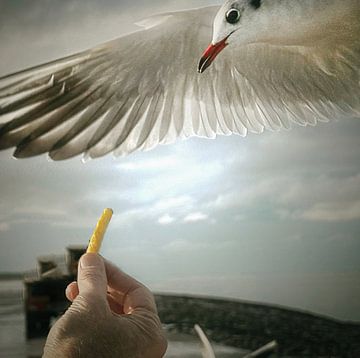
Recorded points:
112,315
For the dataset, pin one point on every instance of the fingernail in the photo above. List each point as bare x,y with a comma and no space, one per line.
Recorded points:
67,291
88,260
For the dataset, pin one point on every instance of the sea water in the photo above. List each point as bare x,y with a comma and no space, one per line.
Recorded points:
12,325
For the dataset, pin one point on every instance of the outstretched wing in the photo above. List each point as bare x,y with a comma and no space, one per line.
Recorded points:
143,89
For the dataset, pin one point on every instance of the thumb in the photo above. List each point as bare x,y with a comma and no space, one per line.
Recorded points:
92,279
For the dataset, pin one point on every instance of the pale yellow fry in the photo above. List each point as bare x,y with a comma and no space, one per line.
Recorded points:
99,232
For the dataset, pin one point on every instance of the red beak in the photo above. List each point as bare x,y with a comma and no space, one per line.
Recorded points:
210,54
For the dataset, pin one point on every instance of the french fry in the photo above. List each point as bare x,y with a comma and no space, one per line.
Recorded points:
99,232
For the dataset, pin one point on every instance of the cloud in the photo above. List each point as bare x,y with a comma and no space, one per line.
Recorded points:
166,219
4,227
288,196
167,208
333,212
152,164
180,202
195,217
323,199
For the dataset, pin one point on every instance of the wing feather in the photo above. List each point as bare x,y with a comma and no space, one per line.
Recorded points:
150,122
143,89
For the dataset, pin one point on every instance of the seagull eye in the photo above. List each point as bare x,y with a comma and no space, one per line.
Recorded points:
233,16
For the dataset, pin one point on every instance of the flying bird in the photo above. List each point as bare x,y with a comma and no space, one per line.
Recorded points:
270,63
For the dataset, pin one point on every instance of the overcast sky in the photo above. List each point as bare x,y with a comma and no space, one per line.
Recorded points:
271,218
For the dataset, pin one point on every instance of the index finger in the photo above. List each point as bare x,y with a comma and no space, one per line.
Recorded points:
135,295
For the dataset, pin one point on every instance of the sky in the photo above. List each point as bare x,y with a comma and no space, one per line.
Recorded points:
269,218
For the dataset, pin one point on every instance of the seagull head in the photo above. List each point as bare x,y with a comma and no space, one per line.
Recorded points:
234,22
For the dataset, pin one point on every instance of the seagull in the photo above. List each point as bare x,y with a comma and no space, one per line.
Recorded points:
270,64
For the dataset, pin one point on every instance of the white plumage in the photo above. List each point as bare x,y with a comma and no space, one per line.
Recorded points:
287,61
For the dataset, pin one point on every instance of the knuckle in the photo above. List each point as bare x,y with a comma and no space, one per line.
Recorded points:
89,273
